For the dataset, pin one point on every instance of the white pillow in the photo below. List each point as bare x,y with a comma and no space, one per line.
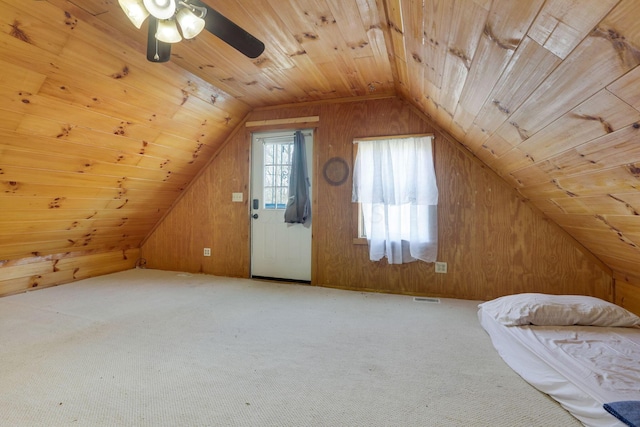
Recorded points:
557,310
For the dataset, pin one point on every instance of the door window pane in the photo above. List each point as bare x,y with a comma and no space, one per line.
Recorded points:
277,168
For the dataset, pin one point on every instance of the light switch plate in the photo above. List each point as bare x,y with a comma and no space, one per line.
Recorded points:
236,197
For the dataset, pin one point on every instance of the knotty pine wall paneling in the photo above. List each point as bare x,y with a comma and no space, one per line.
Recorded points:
95,141
493,242
40,272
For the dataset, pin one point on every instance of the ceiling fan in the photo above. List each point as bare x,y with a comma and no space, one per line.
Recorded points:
191,16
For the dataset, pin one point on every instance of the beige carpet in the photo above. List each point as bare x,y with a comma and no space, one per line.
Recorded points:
155,348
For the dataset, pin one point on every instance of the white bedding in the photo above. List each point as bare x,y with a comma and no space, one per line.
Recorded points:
582,367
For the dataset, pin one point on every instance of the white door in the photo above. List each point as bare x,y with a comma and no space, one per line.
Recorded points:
278,250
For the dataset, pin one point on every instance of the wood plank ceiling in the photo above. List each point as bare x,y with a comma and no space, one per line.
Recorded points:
96,142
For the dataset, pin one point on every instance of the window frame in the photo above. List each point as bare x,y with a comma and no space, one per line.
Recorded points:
359,238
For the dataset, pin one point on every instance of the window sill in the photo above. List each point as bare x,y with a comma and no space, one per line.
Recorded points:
359,241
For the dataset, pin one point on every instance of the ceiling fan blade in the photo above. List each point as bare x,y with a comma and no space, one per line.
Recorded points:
233,35
157,51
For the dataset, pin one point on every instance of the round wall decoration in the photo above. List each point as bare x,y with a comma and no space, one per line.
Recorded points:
336,171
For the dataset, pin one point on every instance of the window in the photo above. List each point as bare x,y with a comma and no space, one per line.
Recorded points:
277,170
394,182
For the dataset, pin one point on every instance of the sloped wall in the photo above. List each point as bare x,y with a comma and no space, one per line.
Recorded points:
493,242
627,292
95,141
39,272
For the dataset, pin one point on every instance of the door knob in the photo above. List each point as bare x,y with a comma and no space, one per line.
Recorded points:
255,216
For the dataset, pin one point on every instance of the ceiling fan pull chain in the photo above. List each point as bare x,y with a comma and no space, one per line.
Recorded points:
156,56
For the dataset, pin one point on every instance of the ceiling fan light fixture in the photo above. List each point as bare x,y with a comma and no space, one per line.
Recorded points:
161,9
172,20
168,31
190,24
135,11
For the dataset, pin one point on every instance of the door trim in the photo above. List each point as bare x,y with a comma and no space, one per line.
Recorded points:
309,125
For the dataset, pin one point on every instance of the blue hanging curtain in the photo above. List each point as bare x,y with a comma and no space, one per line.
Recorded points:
298,210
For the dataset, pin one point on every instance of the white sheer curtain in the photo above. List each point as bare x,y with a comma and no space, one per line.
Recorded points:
394,180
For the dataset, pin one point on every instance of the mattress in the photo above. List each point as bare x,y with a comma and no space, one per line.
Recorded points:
581,367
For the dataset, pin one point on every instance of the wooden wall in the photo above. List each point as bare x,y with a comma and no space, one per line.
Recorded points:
205,217
493,242
627,292
95,141
39,272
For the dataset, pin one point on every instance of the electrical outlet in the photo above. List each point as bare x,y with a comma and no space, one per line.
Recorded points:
236,197
207,251
441,267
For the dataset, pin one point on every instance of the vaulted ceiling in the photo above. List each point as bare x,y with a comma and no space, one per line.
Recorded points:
546,93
